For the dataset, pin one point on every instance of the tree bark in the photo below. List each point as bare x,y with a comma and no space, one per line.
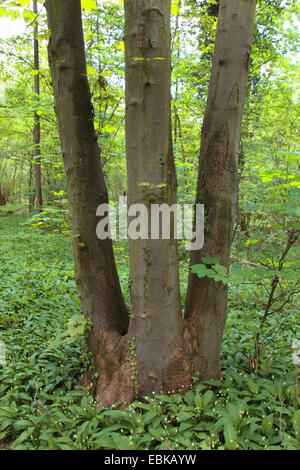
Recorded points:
2,198
37,122
31,191
217,187
156,323
95,269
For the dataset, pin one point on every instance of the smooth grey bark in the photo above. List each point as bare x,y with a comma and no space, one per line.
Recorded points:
156,324
217,187
95,269
37,121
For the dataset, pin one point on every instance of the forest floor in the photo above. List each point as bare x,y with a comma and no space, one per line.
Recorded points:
44,406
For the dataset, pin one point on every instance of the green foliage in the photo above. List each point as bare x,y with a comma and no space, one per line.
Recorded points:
89,5
43,404
212,269
52,218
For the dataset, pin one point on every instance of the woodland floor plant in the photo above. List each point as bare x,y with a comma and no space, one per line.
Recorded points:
44,405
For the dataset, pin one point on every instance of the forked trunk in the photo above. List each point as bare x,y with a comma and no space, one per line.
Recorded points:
157,350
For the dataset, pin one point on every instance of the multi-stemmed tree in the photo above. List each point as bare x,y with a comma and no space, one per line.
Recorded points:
153,348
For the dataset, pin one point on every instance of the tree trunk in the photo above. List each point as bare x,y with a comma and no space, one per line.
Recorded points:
37,122
217,187
157,350
2,198
31,192
156,311
95,269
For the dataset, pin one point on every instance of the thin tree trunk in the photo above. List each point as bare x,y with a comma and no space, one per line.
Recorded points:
21,184
2,198
95,269
157,321
37,123
31,195
217,188
11,186
2,195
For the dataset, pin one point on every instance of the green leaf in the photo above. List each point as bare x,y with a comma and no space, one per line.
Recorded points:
267,425
296,418
198,401
202,271
121,442
230,436
208,259
175,7
3,12
207,398
28,16
254,388
89,5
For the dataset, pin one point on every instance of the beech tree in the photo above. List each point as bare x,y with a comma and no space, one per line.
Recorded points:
156,324
153,348
217,186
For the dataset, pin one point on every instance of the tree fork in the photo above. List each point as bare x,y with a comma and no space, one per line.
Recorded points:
159,351
217,186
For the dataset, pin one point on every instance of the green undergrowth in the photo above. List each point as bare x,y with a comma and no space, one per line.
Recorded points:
44,406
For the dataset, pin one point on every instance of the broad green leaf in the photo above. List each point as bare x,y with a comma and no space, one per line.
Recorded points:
208,259
254,388
267,425
28,16
296,418
230,436
175,7
89,5
121,442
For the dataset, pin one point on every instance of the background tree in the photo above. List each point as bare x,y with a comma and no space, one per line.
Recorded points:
37,122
